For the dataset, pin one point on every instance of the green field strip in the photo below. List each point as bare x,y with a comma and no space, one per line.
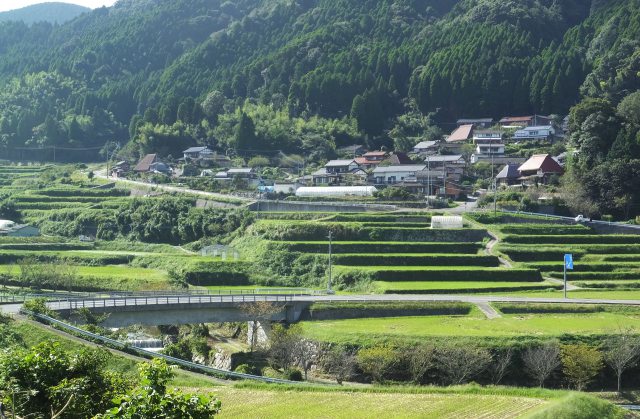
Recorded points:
602,276
542,229
443,287
583,266
620,285
364,331
452,273
572,239
385,247
382,259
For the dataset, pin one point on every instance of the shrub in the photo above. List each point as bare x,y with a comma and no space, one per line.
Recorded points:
377,361
246,369
580,364
293,374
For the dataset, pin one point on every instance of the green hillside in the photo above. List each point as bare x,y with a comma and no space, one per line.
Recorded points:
331,58
308,76
52,12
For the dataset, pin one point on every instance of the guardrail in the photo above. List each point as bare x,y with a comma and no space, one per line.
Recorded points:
66,296
149,354
560,217
73,304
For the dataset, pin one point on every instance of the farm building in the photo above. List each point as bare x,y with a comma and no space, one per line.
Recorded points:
11,229
335,191
446,221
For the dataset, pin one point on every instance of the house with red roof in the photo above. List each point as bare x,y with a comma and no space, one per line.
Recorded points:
540,167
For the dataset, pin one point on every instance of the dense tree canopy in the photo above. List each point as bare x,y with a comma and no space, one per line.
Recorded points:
178,73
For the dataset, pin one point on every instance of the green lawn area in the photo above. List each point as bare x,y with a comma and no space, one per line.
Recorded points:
124,272
474,325
587,294
383,286
265,403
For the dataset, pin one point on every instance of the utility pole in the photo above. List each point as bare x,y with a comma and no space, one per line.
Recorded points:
565,279
493,178
330,237
428,181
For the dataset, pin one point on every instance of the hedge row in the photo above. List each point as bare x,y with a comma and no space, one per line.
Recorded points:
8,257
583,266
417,260
46,246
544,229
391,218
472,290
354,231
336,311
507,308
573,239
600,276
396,224
83,192
217,273
351,276
51,205
20,199
377,247
533,255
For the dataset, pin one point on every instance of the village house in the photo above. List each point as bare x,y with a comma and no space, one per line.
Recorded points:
508,175
449,161
334,171
389,175
460,136
371,159
151,164
197,153
539,168
120,168
535,133
524,121
476,122
426,147
9,228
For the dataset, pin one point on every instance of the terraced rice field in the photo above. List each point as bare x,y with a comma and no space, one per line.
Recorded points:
242,403
400,253
369,330
601,261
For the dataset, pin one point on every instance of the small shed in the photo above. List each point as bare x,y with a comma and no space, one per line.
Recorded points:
446,221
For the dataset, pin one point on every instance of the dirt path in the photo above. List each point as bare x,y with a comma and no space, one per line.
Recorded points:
488,311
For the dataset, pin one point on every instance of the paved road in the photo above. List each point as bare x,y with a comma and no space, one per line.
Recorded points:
179,189
239,299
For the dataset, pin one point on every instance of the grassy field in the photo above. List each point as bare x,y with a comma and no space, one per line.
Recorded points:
265,403
457,286
368,330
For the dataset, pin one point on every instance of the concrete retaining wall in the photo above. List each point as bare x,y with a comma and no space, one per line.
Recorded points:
293,206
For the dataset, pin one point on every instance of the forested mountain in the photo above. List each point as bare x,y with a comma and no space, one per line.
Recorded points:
306,74
52,12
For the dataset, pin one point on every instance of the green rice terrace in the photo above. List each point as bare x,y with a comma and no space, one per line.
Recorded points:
108,237
140,245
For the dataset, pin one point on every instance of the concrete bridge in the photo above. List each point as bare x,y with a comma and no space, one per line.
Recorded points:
187,309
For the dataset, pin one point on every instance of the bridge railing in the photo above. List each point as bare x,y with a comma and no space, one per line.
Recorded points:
74,304
67,296
149,354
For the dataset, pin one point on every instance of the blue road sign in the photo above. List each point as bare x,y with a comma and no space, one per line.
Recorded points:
568,261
